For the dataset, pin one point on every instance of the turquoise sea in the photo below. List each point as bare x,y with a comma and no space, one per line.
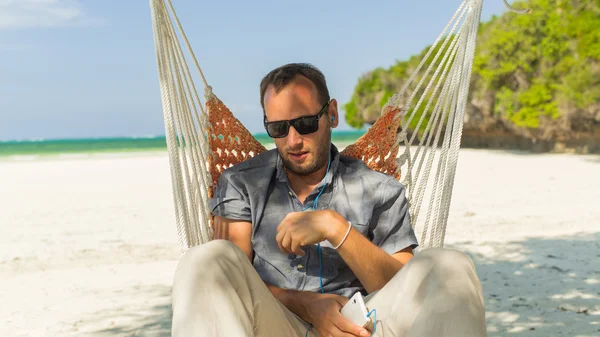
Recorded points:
98,145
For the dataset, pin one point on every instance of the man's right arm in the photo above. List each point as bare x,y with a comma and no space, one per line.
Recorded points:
237,231
240,233
231,202
321,310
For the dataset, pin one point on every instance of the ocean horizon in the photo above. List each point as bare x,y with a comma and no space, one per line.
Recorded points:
45,147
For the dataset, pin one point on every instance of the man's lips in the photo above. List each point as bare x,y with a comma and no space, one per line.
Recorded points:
298,155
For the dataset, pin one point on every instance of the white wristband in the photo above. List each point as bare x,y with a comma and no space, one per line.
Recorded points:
345,236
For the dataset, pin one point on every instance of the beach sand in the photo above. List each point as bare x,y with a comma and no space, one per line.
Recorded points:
88,244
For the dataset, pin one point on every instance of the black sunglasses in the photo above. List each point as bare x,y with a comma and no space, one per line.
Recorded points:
304,125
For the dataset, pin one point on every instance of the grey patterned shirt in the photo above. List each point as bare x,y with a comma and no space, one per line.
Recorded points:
258,190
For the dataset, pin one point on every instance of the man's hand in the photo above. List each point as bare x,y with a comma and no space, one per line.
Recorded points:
323,312
299,229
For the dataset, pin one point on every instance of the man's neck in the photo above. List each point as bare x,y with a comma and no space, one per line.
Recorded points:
303,185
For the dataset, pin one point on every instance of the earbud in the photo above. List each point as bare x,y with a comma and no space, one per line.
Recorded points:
332,119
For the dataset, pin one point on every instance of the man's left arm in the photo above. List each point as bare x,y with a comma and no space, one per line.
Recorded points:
373,260
373,266
376,261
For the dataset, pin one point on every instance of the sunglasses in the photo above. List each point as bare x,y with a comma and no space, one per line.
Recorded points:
304,125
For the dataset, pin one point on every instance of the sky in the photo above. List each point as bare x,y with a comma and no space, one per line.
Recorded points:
87,69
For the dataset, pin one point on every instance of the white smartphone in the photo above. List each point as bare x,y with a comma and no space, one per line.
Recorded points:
356,310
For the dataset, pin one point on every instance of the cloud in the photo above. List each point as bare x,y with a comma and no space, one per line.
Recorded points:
28,14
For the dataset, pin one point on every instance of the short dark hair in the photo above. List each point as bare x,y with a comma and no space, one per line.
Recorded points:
284,75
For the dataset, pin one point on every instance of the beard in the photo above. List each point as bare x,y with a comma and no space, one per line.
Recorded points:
317,158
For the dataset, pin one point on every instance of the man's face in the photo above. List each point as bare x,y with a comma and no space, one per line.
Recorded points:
301,154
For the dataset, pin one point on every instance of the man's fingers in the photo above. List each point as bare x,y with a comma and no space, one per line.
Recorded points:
286,243
342,300
336,332
283,223
279,238
296,248
289,218
333,331
346,326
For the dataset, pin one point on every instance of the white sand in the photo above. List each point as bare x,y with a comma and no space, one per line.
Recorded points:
88,245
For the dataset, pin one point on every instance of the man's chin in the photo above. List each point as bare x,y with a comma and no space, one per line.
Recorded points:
300,170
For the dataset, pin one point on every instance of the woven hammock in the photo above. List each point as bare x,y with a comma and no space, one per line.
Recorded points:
202,142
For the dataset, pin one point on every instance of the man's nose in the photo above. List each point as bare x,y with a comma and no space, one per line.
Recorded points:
293,138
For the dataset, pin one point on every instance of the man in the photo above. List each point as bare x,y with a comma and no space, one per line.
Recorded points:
300,228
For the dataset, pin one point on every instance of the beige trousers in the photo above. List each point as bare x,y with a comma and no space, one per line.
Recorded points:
217,292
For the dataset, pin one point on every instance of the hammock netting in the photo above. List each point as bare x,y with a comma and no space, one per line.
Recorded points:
230,142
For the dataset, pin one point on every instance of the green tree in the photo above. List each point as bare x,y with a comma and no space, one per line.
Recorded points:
535,67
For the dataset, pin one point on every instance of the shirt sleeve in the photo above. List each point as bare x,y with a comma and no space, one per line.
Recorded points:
230,199
391,227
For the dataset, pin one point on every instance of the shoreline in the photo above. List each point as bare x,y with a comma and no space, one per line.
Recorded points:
133,152
28,157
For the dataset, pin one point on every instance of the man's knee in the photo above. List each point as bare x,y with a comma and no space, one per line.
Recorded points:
447,261
210,257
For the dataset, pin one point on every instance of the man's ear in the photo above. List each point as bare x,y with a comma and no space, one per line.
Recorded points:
333,112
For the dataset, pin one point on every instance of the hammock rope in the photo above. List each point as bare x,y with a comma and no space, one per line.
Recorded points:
203,142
